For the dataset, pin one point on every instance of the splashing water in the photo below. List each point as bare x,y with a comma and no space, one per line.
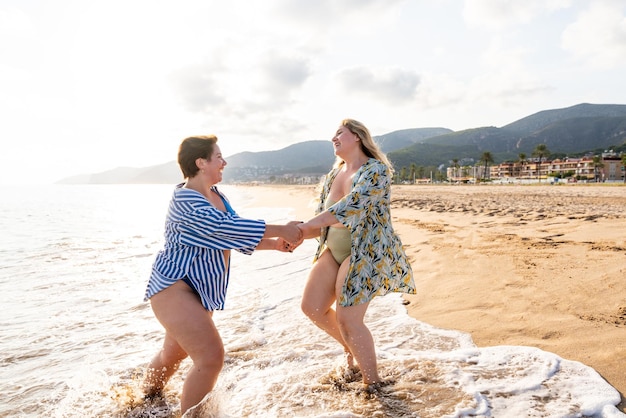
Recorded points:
76,335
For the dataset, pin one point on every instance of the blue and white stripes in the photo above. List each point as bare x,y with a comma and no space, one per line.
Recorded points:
196,235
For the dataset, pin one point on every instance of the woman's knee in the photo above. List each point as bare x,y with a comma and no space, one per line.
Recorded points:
206,348
346,326
171,353
316,304
172,358
350,320
311,309
211,357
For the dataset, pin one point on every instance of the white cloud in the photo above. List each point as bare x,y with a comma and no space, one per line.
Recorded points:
284,72
440,90
507,75
104,84
498,14
197,86
327,13
505,88
598,36
392,85
19,46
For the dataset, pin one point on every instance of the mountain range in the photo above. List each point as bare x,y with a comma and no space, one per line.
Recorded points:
572,131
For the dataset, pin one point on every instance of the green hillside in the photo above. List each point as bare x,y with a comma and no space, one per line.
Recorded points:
571,131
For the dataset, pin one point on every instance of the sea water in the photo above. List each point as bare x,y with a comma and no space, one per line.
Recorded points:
76,335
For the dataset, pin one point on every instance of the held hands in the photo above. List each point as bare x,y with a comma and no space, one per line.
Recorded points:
291,239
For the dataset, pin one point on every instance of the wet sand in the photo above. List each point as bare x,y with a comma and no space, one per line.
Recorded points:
538,265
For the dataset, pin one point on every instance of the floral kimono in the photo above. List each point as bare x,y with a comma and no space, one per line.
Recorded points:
378,264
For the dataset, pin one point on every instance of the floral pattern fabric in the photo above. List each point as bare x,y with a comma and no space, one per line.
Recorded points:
378,264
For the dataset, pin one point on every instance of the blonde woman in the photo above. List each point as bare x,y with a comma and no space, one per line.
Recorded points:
359,255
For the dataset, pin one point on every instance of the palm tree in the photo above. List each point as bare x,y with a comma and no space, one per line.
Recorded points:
486,159
420,171
455,167
540,151
522,160
404,174
413,170
597,164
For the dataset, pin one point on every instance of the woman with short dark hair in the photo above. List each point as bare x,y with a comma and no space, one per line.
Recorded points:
190,274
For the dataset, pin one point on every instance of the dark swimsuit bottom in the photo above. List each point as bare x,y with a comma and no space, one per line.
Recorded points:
186,280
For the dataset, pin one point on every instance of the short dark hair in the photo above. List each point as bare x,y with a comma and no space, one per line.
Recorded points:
193,148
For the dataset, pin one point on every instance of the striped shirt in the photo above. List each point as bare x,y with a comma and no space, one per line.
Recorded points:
196,235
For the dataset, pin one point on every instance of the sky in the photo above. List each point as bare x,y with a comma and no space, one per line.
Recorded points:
89,86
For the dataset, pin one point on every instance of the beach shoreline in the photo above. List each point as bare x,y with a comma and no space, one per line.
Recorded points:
537,265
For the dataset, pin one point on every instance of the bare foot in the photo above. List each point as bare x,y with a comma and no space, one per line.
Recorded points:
341,376
352,375
350,360
154,395
154,406
376,387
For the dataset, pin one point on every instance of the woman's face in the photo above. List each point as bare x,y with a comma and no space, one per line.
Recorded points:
214,166
344,140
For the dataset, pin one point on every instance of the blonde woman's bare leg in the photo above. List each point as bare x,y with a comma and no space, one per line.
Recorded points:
319,296
356,335
191,326
359,340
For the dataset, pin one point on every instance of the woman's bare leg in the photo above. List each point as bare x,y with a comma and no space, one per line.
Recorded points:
356,335
163,366
185,320
319,296
359,340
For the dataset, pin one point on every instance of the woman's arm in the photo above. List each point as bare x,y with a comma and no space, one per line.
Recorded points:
278,244
312,228
211,228
290,232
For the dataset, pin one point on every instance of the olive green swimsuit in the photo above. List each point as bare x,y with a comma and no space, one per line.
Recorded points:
338,240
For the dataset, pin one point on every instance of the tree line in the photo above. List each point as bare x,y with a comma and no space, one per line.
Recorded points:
413,173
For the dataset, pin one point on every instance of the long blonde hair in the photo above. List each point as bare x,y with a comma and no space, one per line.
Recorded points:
369,147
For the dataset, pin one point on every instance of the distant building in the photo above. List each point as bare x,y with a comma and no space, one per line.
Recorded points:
612,169
604,168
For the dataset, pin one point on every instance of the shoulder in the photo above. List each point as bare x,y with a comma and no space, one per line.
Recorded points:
182,194
375,166
187,201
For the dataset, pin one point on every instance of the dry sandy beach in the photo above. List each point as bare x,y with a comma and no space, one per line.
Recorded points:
539,265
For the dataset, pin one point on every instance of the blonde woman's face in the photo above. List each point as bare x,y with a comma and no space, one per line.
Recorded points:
344,139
